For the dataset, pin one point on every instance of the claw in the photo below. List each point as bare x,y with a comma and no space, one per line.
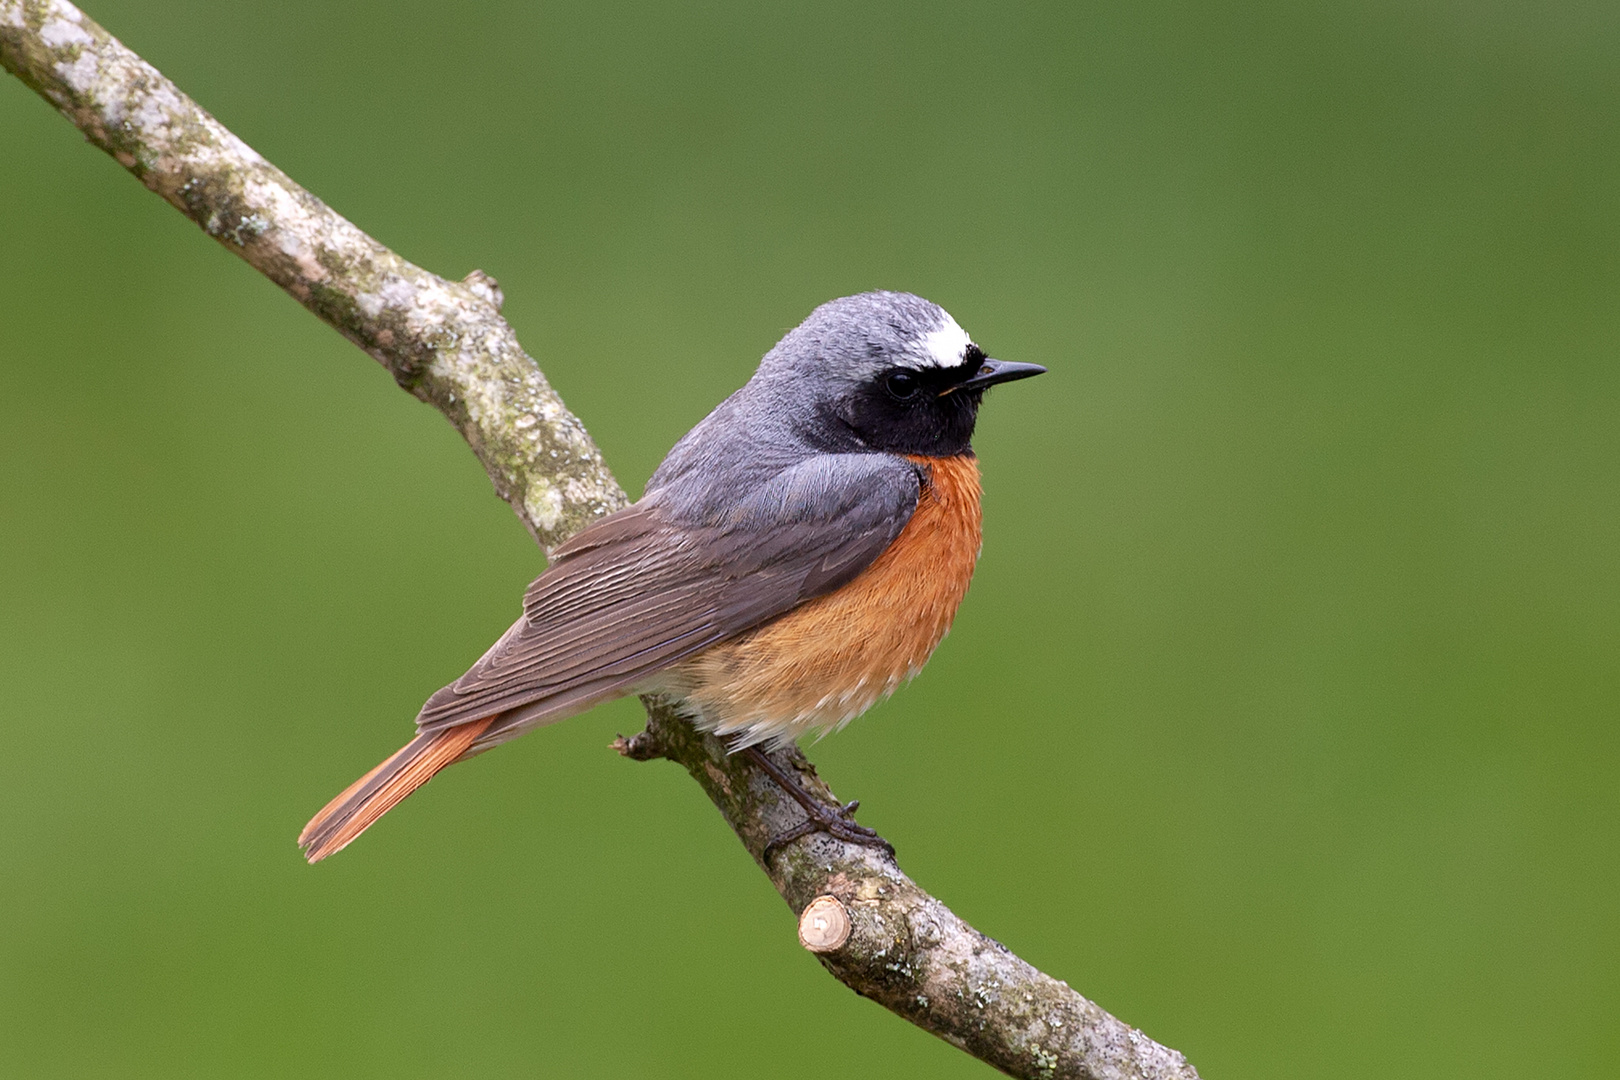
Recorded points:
818,817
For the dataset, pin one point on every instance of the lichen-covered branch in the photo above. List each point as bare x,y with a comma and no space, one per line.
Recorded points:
443,341
446,343
906,950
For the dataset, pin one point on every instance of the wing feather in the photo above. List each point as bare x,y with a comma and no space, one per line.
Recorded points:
652,584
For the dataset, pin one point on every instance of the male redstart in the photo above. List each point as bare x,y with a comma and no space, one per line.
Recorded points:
797,556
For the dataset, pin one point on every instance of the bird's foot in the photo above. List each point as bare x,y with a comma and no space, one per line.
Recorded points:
836,821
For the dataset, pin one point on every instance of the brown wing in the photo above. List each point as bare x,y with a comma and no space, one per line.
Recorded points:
640,590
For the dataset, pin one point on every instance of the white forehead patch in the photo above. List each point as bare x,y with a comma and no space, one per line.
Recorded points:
945,347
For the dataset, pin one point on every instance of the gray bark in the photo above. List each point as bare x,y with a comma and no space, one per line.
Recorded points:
447,344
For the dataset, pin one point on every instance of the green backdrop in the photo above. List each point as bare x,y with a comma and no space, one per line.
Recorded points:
1281,718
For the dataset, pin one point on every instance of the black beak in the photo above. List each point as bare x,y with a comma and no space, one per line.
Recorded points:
997,371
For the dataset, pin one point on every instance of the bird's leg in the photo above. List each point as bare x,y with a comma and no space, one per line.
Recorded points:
819,817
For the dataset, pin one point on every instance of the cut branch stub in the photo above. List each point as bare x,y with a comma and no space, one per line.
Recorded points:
824,925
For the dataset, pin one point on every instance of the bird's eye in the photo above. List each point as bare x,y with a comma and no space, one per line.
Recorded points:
902,384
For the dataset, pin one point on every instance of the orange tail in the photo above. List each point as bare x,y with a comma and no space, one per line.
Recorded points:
381,789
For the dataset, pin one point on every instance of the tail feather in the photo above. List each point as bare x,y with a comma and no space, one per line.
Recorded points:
380,790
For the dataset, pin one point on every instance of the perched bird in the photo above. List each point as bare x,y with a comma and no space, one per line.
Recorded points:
796,557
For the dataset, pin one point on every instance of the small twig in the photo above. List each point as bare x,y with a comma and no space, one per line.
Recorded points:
445,342
641,746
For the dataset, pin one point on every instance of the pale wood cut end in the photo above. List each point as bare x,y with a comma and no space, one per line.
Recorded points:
824,926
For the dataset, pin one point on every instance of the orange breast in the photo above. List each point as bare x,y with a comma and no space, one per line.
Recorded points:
828,661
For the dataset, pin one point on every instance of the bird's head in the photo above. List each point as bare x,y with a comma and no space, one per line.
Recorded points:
884,371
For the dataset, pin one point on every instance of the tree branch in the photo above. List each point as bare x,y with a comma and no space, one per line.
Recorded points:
446,343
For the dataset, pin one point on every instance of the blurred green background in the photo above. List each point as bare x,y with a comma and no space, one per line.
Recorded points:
1281,717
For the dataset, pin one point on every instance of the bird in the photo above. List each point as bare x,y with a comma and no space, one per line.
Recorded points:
796,557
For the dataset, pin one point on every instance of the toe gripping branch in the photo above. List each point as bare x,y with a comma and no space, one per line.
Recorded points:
835,821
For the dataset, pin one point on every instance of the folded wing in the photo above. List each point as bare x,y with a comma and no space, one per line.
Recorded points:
652,584
633,594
